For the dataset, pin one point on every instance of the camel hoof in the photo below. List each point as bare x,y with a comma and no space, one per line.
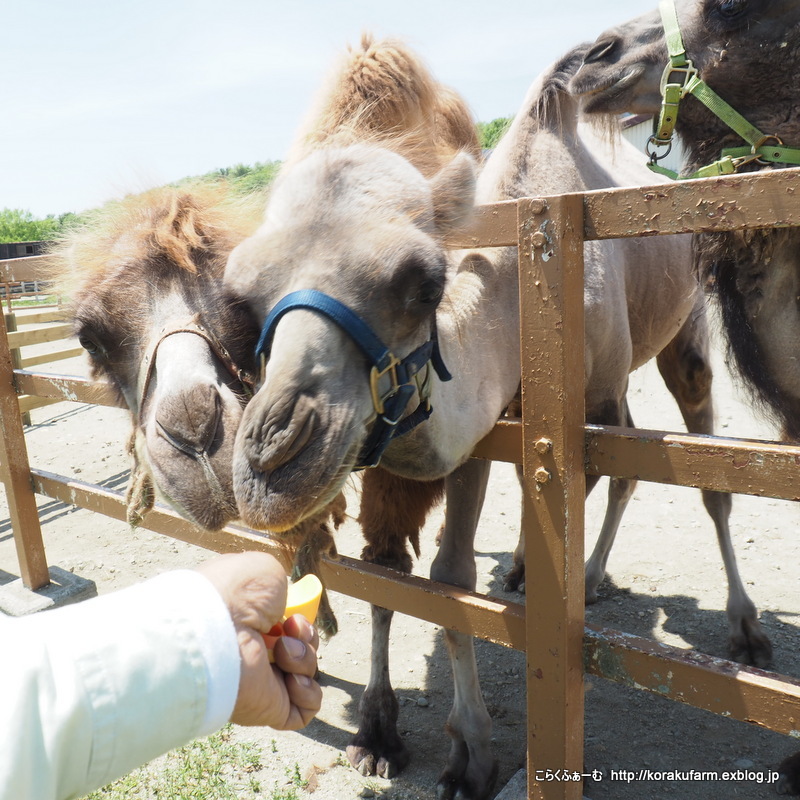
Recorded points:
514,580
453,786
368,762
789,776
752,647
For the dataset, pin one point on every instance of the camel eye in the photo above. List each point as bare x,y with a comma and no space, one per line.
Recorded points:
730,9
89,345
430,292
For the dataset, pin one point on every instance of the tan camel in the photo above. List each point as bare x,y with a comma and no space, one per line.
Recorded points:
357,219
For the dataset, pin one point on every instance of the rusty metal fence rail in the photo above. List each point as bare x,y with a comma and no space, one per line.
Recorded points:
556,449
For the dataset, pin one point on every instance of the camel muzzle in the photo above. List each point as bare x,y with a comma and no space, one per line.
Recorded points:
406,377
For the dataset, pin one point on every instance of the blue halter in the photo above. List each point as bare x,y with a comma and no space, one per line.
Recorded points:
402,373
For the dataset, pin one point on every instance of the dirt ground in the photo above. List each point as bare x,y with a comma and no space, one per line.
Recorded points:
665,582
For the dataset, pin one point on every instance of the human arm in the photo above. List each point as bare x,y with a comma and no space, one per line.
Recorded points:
93,690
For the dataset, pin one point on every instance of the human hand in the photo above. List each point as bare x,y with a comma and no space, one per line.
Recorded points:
284,694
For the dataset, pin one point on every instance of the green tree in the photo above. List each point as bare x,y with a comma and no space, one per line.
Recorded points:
490,133
243,178
17,225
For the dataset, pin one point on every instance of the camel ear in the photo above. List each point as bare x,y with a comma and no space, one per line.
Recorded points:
453,189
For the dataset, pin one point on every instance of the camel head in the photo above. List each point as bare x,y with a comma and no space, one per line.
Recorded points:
747,51
363,226
150,309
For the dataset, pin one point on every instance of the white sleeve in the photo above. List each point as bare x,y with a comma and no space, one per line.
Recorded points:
90,691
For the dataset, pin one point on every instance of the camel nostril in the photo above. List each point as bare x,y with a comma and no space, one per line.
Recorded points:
189,419
285,440
601,49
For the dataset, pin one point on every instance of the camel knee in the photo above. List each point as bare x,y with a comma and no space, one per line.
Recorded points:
687,373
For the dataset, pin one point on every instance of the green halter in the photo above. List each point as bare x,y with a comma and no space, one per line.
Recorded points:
762,148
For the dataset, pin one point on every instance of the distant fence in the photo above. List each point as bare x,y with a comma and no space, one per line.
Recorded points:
38,323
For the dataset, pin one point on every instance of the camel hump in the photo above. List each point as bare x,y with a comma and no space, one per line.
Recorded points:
381,91
455,123
388,84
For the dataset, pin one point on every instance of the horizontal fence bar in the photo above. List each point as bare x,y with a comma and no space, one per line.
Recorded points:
744,466
39,317
496,620
502,443
28,269
65,387
758,200
731,203
47,358
493,225
745,693
51,333
28,402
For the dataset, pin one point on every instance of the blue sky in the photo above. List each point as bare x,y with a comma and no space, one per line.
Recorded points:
103,98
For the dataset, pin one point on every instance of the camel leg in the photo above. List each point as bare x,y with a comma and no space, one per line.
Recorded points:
514,580
471,770
620,491
789,776
685,368
393,511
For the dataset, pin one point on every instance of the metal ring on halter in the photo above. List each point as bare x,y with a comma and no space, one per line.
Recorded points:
760,143
654,156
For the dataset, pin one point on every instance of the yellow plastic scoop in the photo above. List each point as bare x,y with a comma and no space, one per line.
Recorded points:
302,597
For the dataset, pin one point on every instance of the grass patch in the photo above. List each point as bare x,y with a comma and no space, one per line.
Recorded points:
214,768
39,300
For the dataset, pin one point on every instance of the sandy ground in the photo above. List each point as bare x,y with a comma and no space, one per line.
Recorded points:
665,582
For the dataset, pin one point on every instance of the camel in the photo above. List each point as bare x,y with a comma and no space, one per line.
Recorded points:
744,52
360,213
149,308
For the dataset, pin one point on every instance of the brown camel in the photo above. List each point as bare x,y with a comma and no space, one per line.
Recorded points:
747,53
149,307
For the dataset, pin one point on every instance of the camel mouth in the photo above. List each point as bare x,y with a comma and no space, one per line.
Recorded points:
609,95
208,516
282,498
198,485
188,442
292,455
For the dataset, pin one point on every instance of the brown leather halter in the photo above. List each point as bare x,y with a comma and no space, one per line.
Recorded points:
245,379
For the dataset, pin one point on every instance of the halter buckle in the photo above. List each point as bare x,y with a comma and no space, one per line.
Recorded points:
375,374
688,70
